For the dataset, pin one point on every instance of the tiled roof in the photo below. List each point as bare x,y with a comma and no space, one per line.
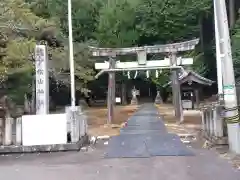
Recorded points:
186,73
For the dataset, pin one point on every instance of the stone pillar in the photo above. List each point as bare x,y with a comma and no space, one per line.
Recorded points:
1,130
134,100
196,92
111,90
73,123
203,114
8,131
19,131
219,121
83,124
42,80
158,99
207,121
2,125
213,133
176,90
192,99
211,122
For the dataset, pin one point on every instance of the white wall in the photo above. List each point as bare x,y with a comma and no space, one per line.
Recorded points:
44,129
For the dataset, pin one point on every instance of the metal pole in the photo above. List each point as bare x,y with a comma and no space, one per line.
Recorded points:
218,58
71,61
229,89
111,91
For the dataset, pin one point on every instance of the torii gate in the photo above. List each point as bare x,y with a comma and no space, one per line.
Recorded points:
142,64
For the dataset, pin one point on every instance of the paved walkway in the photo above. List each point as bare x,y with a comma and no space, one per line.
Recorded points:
146,136
92,165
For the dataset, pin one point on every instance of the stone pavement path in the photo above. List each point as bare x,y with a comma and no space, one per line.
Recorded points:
91,165
145,135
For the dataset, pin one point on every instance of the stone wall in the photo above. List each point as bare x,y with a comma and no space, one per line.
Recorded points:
2,125
1,131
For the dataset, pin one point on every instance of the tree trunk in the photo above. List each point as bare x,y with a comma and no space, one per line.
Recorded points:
124,93
232,13
200,22
27,105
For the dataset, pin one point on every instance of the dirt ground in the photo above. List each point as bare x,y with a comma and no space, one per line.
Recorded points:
189,130
191,125
97,120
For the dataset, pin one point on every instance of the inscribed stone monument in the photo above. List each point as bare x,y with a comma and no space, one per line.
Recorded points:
42,80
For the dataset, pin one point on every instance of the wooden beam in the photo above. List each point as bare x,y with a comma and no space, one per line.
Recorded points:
154,63
182,46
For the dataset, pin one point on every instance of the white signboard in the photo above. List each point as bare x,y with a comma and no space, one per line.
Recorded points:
44,129
118,100
142,57
229,93
42,81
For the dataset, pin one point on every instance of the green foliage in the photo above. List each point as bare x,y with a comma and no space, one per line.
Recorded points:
162,79
127,22
22,24
169,20
83,64
106,23
116,25
236,48
18,29
83,17
199,65
17,87
124,23
18,54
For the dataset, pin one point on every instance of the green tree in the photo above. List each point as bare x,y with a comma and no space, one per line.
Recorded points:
236,48
116,24
143,22
84,21
84,15
106,23
20,28
169,20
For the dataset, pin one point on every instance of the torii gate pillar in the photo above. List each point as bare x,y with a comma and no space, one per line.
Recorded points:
111,89
176,88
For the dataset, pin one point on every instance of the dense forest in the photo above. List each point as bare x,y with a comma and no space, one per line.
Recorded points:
102,23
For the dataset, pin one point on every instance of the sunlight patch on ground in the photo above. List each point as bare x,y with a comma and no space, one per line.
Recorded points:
97,119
